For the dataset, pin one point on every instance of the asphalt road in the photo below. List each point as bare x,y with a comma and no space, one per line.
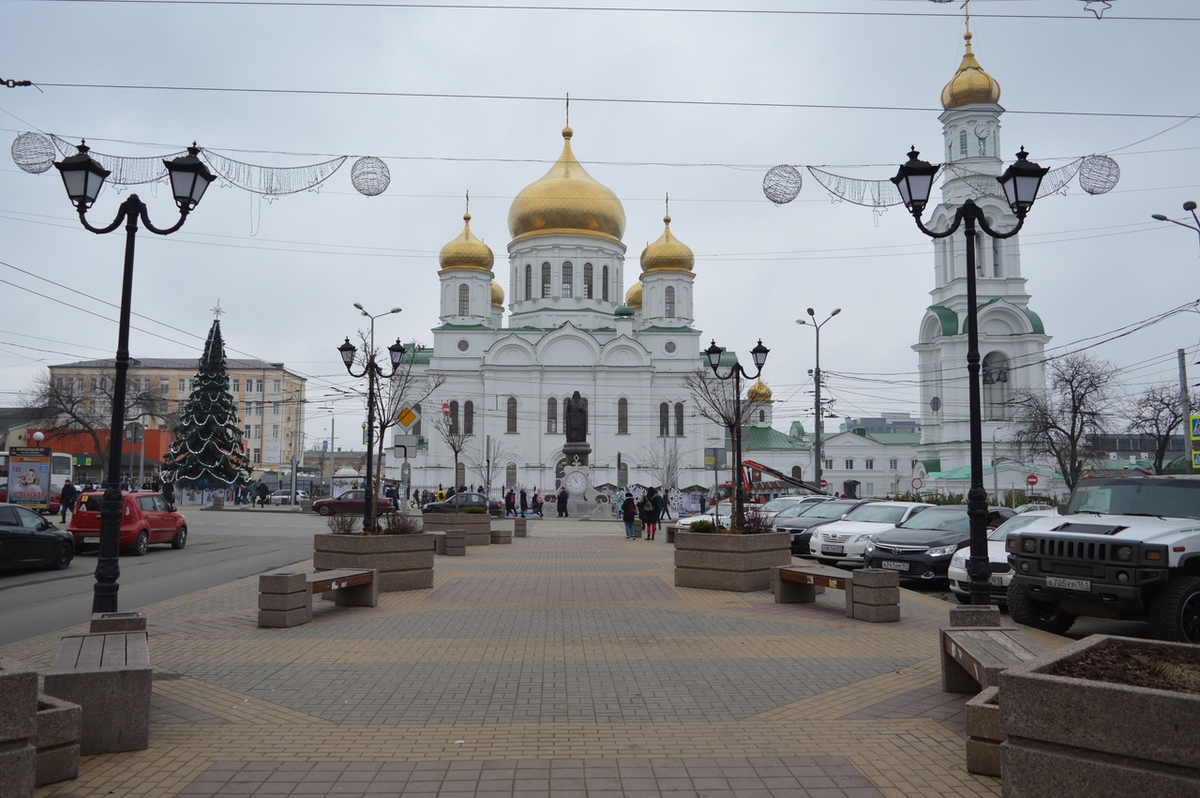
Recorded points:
223,545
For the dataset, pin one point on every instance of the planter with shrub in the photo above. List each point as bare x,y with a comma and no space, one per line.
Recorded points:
740,561
401,553
474,521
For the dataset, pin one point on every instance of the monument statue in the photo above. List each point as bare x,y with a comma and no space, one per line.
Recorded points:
576,419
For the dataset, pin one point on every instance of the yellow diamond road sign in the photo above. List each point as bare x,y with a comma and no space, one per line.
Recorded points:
407,417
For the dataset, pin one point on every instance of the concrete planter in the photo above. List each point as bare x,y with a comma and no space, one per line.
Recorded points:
18,726
741,563
478,526
1070,736
403,562
58,731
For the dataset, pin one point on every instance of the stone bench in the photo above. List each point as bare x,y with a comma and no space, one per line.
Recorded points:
501,536
872,594
520,528
672,529
972,658
109,676
285,600
450,543
18,726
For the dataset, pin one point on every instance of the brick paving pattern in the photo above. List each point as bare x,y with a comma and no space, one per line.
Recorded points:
566,664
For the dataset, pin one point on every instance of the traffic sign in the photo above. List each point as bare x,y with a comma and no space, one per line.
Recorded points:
446,409
406,417
1031,480
917,483
824,483
405,446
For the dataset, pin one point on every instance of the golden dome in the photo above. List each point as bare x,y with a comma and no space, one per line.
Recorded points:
633,297
497,295
667,254
566,200
466,252
758,392
970,83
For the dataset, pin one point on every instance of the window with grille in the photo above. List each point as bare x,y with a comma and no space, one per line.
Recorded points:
528,281
664,419
545,281
468,417
679,419
622,418
568,279
587,281
669,302
604,289
454,417
552,415
464,300
512,414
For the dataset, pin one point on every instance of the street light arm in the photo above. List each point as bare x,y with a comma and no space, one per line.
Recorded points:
970,209
183,215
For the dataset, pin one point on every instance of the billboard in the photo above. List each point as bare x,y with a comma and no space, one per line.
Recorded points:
29,476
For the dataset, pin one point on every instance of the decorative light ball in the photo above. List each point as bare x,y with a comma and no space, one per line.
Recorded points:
370,176
33,153
782,184
1098,174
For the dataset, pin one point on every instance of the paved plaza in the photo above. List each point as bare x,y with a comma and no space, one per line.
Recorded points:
565,664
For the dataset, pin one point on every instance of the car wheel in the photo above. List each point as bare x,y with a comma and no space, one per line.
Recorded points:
324,510
180,538
141,544
1025,610
1175,610
63,556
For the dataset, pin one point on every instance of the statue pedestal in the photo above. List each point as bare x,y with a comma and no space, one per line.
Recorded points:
576,453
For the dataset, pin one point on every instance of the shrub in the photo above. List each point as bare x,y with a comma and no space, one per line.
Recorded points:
400,524
340,524
474,510
702,526
755,524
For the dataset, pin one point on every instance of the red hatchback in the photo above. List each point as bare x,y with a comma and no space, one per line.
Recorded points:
146,519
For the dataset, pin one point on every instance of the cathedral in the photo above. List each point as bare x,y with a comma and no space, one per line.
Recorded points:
570,326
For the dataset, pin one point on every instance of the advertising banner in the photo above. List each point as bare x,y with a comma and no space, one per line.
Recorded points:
29,476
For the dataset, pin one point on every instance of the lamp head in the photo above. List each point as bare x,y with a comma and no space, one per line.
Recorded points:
394,310
396,351
759,353
1020,182
835,312
914,181
348,351
359,306
1159,217
82,176
189,178
1189,206
714,355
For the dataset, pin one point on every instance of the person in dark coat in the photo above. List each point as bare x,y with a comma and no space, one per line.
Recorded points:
649,512
628,513
524,503
67,498
510,503
264,493
562,502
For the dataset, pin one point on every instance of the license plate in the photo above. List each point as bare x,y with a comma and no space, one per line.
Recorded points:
894,566
996,581
91,539
1069,584
833,549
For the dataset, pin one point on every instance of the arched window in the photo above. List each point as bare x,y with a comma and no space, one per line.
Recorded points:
416,429
995,387
623,474
588,293
568,279
797,472
454,417
564,413
512,414
669,301
552,415
528,281
962,144
468,417
545,281
664,419
510,475
622,417
762,415
604,287
679,419
464,300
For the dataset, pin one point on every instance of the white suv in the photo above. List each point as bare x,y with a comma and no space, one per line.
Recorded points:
844,541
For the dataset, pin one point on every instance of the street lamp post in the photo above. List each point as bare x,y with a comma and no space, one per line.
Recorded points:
372,372
1188,206
1020,183
83,177
817,462
736,372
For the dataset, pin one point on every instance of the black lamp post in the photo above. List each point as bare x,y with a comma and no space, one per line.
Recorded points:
372,372
817,391
759,353
83,178
1020,183
1188,206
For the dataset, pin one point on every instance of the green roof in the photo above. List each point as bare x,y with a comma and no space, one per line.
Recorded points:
764,438
463,327
947,317
895,438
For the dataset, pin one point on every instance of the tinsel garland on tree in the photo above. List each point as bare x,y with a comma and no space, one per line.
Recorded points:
208,450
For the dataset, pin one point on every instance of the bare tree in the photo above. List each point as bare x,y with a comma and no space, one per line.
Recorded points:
1155,414
68,407
1075,410
715,399
661,461
408,386
489,461
456,441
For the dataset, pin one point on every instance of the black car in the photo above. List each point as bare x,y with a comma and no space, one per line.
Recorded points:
460,502
921,547
805,518
29,541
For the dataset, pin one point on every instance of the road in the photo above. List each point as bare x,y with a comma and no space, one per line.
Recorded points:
222,546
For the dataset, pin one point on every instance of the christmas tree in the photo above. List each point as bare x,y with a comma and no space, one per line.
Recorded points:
208,450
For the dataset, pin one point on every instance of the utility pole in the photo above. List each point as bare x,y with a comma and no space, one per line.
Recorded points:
1186,405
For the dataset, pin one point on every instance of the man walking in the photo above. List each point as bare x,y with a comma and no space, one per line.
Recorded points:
67,499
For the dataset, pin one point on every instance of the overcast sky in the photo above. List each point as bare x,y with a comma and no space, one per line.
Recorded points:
697,104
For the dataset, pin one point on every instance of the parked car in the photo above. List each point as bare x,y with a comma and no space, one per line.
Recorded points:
772,508
29,541
809,516
921,547
1031,508
460,502
146,519
352,502
1002,572
721,517
846,539
285,496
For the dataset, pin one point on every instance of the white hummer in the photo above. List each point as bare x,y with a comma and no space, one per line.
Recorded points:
1123,547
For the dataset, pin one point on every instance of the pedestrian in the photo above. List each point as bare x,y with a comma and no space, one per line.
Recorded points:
168,493
628,513
666,503
648,514
88,487
67,498
539,498
264,493
510,503
562,503
524,502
